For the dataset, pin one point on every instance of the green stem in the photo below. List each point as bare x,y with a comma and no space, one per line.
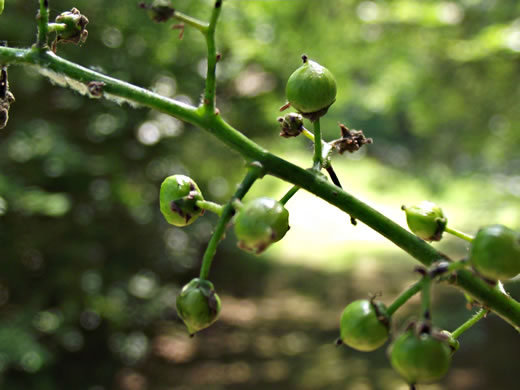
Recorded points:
255,172
426,291
210,206
317,145
289,194
211,80
308,134
43,21
404,297
496,301
469,323
199,25
459,234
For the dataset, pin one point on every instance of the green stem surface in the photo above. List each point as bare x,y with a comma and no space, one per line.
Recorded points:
210,206
469,323
212,122
404,297
254,173
211,80
459,234
317,159
43,21
289,194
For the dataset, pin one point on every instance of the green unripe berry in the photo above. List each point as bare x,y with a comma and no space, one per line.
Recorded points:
426,220
495,252
420,358
364,325
178,198
259,223
311,88
198,305
1,6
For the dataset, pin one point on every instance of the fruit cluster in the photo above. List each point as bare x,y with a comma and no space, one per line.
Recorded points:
422,353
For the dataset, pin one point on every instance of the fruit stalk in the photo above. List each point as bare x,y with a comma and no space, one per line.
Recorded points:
404,297
469,323
459,234
255,172
317,159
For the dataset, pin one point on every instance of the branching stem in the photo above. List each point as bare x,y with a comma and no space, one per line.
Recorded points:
404,297
478,289
317,159
210,206
459,234
255,172
198,24
289,194
469,323
43,21
211,80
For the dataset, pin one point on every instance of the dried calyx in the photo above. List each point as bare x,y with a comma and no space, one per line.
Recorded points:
75,31
351,140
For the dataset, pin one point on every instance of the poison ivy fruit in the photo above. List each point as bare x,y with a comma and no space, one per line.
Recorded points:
311,89
198,305
495,252
426,220
420,358
178,198
364,325
259,223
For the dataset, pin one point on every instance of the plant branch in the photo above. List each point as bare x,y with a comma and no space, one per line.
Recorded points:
254,173
289,194
469,323
317,159
78,77
43,22
199,25
459,234
211,80
404,297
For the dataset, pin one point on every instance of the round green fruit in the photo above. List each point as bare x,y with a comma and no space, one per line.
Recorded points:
495,252
178,198
198,305
426,220
364,325
311,88
420,358
259,223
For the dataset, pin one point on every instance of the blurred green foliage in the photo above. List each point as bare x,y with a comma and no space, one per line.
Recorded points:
89,270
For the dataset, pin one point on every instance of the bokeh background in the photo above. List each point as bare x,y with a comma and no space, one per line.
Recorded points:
89,270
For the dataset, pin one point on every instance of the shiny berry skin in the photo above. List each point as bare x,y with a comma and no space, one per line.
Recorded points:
420,358
495,252
198,305
311,88
426,220
259,223
178,198
364,325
